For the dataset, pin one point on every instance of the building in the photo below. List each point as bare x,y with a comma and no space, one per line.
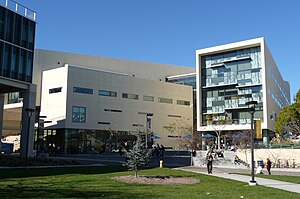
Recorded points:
230,75
86,97
17,34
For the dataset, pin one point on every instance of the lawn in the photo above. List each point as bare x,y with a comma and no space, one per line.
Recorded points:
96,182
292,179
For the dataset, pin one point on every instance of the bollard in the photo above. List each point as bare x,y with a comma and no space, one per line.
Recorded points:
161,164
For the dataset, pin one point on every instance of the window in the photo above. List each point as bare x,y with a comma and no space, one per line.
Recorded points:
165,100
78,114
55,90
183,102
130,96
113,110
83,90
104,123
107,93
148,98
176,116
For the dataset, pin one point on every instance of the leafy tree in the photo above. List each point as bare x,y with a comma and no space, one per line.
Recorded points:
138,156
288,119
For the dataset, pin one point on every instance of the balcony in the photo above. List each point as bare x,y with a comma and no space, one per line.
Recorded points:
18,8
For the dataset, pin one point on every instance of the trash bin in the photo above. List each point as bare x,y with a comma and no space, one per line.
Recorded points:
260,163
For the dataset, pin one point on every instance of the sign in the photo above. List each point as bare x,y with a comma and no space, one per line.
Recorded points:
149,124
257,130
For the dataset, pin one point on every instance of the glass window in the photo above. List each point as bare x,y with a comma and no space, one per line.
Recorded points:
25,33
83,90
22,65
7,58
55,90
107,93
17,31
29,67
130,96
183,102
31,35
9,25
13,97
2,11
14,61
165,100
148,98
78,114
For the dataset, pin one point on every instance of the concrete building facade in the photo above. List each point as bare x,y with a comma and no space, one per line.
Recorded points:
230,75
108,95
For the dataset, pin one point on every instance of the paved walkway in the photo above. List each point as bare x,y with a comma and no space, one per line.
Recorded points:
228,174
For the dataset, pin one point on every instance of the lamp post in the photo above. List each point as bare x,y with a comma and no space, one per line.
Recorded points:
148,126
251,107
30,112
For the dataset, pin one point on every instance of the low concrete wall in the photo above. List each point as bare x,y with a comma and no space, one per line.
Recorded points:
279,157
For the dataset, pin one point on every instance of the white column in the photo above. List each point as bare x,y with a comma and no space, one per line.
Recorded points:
28,119
1,116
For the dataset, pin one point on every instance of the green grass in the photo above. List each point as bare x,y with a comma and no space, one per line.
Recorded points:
96,182
292,179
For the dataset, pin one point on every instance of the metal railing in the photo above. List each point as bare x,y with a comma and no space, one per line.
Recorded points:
18,8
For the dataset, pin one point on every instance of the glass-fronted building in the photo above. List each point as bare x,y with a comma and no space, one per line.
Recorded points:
17,35
230,75
229,80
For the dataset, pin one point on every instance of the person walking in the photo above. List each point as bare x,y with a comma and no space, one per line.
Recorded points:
209,162
269,163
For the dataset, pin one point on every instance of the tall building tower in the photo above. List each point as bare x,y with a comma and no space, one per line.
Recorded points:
230,75
17,35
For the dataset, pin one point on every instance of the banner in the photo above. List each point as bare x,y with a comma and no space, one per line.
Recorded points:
257,130
149,124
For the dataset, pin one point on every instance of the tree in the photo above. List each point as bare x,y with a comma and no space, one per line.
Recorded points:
288,119
138,156
218,123
185,134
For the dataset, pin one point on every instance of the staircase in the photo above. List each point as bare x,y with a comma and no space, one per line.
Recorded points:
226,161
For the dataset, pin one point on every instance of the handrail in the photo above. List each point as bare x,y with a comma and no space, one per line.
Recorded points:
19,8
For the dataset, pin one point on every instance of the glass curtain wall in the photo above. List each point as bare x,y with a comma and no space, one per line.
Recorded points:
229,80
17,35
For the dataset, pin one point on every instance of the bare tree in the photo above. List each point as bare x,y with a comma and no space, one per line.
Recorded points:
184,133
218,123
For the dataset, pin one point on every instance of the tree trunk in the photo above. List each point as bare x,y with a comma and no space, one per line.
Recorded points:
135,173
219,141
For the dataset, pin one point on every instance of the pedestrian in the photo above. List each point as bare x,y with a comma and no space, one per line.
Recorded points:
269,163
209,162
162,150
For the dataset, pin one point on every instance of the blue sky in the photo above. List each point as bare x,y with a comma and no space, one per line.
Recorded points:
168,31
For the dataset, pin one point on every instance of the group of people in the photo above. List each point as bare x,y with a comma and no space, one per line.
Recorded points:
268,166
237,160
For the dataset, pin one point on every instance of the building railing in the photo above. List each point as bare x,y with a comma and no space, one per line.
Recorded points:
18,8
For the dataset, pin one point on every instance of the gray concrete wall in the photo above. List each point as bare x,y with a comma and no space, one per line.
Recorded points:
47,59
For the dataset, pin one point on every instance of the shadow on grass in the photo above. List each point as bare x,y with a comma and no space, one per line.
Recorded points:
38,172
27,192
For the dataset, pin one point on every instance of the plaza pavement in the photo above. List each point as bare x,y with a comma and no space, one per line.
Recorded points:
230,173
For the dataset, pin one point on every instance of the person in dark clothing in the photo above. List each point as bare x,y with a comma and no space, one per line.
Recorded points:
269,163
209,162
162,150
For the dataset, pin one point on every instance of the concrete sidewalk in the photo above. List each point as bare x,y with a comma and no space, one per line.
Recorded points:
228,174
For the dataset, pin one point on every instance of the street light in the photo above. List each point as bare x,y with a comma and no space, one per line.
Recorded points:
148,126
251,107
30,112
